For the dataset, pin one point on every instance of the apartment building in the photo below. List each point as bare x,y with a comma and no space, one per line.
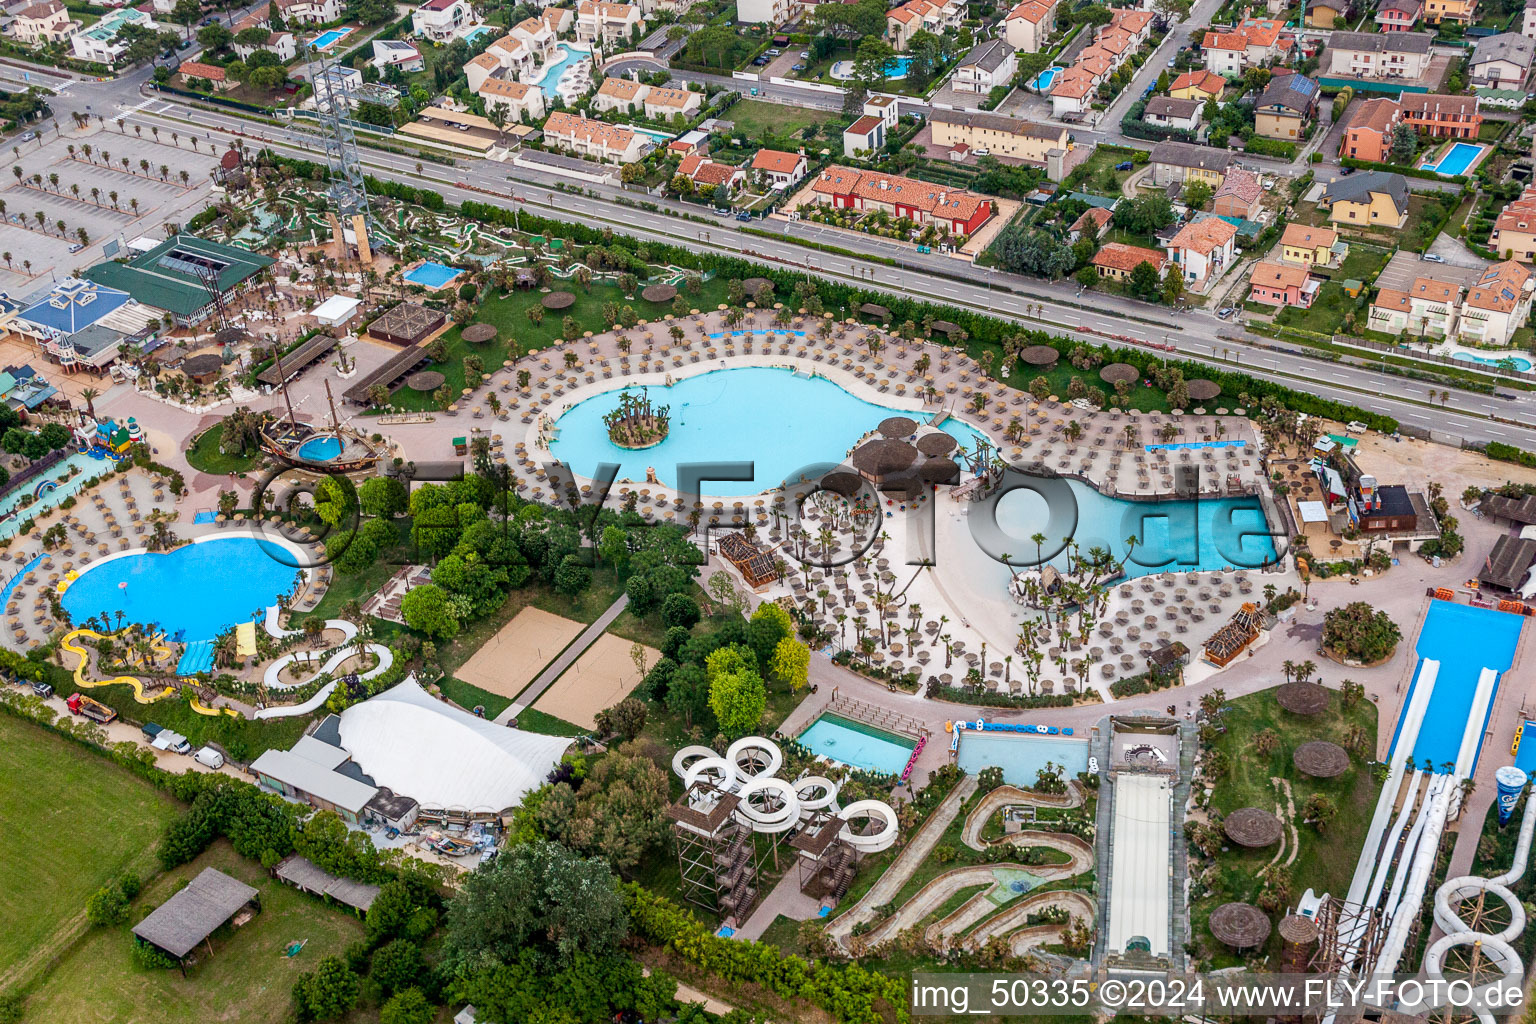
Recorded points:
99,42
999,135
1029,25
986,67
608,24
607,143
1202,250
1282,284
914,16
922,202
310,12
1255,42
442,20
1379,55
42,23
520,101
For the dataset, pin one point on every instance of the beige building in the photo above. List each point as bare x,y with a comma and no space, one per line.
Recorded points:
608,143
607,24
999,135
1027,27
1514,230
43,23
520,101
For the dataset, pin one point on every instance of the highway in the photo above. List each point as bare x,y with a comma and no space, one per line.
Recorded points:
1057,307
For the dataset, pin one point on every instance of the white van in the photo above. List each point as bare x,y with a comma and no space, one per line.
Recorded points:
209,758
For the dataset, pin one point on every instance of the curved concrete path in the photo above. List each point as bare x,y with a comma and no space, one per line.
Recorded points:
1011,921
274,670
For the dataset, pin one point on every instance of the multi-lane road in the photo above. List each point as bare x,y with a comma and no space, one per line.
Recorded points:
1058,308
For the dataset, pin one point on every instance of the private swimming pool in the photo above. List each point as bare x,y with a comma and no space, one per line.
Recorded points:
1520,363
1019,755
1464,640
856,744
1045,79
196,591
549,80
322,448
329,38
431,275
842,70
1457,160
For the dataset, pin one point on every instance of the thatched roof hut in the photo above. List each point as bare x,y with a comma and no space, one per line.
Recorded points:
1320,759
1240,925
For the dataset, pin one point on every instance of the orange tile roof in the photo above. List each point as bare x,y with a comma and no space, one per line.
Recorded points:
776,161
197,69
1260,31
1304,237
1074,83
502,87
1206,81
609,136
1430,290
1224,41
487,61
664,97
1119,256
954,203
1519,215
1390,298
1129,19
1500,288
864,125
1096,215
705,171
1278,275
1031,11
1204,236
1375,115
619,88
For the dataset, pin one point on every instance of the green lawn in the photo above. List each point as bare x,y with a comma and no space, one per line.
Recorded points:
247,978
204,455
756,118
72,822
1326,862
518,335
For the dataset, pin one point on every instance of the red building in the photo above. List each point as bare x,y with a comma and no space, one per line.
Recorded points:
921,202
1444,117
1280,284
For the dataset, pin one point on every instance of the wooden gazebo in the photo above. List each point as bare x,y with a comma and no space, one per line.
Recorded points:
1233,638
1240,925
1113,373
756,566
1300,698
1321,759
1252,827
558,300
1039,355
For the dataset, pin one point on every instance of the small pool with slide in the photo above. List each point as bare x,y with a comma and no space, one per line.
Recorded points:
857,745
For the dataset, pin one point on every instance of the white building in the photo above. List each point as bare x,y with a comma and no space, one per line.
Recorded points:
520,101
986,67
1379,54
1202,250
338,81
1029,25
1502,61
607,24
442,20
607,143
98,42
310,12
397,53
1170,113
767,12
779,169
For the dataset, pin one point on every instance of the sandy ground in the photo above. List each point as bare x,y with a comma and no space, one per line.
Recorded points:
513,657
600,679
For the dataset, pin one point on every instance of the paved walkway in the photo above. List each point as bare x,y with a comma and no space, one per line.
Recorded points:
567,657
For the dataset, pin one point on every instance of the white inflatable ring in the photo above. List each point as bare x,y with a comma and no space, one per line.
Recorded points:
770,820
883,839
748,745
719,771
685,759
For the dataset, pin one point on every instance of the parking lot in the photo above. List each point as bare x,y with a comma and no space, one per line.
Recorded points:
143,201
1404,267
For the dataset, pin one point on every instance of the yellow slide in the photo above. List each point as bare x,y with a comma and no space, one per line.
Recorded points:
133,681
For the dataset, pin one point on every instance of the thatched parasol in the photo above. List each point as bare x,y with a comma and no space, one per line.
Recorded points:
1240,925
940,471
478,334
426,380
1039,355
558,300
659,293
937,443
897,426
1320,759
1202,390
197,366
1301,698
846,484
1298,930
884,456
1252,827
1114,372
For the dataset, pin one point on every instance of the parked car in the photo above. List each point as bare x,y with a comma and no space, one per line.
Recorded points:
805,54
981,152
1345,171
744,216
774,52
42,689
28,136
1124,165
175,742
799,67
185,44
1430,257
760,61
76,247
1225,312
209,758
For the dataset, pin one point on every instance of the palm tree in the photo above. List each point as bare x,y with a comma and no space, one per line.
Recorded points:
1039,539
27,266
89,394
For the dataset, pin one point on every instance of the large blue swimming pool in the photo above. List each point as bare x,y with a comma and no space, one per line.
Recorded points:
1456,159
854,743
1464,640
1021,757
431,275
196,590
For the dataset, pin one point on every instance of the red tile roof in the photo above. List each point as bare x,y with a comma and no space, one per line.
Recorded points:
197,69
1118,256
776,161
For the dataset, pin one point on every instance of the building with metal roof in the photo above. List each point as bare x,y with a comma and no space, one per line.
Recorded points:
185,276
71,305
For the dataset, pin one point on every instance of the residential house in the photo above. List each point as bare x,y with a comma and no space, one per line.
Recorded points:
1197,85
663,103
521,102
41,23
768,12
886,108
1389,311
864,136
607,143
1528,20
1092,224
560,20
999,135
283,45
336,80
1117,260
1514,230
99,42
1398,15
443,20
914,16
1240,195
1326,13
1378,55
1282,284
1443,117
1073,90
608,24
778,169
396,53
985,68
1182,161
1304,246
1502,61
1202,250
528,44
310,12
1287,107
705,173
922,202
1029,25
1171,113
1367,199
1462,12
1368,135
622,94
193,71
1497,304
1434,307
1255,42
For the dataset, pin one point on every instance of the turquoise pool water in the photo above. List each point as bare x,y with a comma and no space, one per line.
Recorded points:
1456,160
329,38
1020,756
660,137
48,490
1172,536
321,449
1464,640
549,82
477,32
1045,79
432,275
1519,362
195,590
854,743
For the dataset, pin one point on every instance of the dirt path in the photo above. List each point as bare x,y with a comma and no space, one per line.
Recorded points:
889,884
1006,796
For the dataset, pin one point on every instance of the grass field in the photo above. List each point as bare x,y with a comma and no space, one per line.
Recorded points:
755,118
72,822
204,455
246,979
